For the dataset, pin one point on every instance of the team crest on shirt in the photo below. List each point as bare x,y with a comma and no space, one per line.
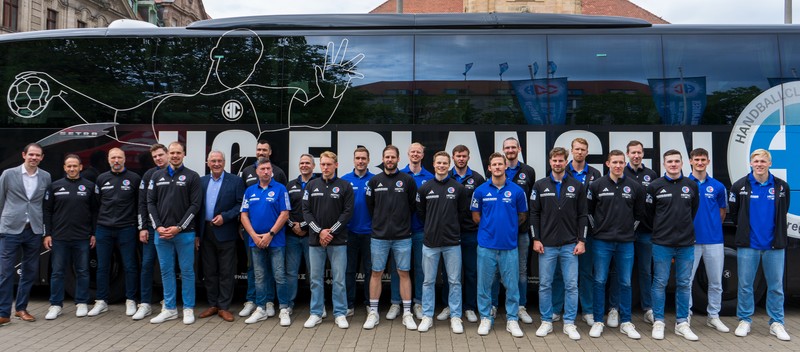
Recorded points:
83,188
335,190
451,190
772,190
710,189
182,178
685,189
470,181
570,189
399,184
647,178
507,194
522,176
126,182
626,189
271,194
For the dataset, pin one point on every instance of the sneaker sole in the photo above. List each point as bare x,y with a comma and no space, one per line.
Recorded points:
98,313
163,321
253,322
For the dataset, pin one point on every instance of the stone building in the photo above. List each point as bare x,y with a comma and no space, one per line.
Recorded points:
623,8
33,15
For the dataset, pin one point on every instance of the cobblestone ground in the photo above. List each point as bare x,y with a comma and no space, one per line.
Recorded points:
113,331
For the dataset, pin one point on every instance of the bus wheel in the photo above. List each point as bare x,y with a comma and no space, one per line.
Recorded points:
730,286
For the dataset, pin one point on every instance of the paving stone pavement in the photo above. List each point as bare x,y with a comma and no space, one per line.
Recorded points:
113,331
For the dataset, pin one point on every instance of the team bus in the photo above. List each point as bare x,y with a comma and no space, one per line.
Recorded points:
309,83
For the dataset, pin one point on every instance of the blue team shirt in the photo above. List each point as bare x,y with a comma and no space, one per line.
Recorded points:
420,178
707,222
578,175
361,222
498,228
264,205
762,213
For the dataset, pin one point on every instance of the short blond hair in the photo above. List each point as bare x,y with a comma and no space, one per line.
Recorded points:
761,152
330,155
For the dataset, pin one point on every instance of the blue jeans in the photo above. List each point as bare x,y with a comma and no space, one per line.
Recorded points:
401,252
358,256
183,245
622,252
490,261
105,238
644,262
430,266
338,258
713,256
586,278
251,280
62,253
568,262
772,262
469,265
265,260
662,262
523,246
419,276
10,245
149,258
296,252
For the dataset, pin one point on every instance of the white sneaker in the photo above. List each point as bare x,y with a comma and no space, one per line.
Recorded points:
100,306
341,322
572,331
425,324
685,330
143,311
81,309
629,329
313,321
524,316
743,329
394,311
260,315
588,318
717,324
130,307
285,317
350,312
166,314
613,318
658,330
556,317
249,308
597,329
471,316
271,309
456,325
373,319
544,329
779,331
444,315
417,311
485,326
408,321
648,317
188,316
53,312
512,326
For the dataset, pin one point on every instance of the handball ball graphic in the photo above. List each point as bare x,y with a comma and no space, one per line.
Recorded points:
28,96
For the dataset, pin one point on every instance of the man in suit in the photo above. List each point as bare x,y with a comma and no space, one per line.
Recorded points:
218,226
21,195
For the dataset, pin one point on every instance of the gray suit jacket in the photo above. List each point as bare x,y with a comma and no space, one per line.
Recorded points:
15,207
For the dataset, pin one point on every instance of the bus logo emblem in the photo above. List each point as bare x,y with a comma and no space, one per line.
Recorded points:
232,110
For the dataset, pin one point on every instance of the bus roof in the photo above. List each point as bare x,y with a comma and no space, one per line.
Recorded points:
418,21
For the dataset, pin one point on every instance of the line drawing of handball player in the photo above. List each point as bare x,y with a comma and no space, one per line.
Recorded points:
32,91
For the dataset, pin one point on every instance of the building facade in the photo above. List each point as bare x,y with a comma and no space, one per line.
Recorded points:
34,15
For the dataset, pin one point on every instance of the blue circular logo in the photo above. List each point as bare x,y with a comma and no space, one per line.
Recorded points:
83,188
626,189
470,181
451,190
685,189
271,193
507,194
647,178
570,189
399,184
182,178
710,189
335,190
126,183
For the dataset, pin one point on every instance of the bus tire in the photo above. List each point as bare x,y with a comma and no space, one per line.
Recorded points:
730,286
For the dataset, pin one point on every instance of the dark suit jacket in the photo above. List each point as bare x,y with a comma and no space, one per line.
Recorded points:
228,204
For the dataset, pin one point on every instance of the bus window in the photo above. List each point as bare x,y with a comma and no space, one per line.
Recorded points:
607,76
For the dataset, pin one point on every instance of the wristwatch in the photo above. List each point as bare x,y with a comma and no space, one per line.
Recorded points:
271,234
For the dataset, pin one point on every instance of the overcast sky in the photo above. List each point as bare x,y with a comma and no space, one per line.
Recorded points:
675,11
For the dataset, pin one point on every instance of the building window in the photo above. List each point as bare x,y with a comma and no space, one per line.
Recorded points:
52,15
10,14
81,24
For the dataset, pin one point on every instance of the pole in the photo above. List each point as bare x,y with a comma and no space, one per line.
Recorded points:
787,11
400,6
